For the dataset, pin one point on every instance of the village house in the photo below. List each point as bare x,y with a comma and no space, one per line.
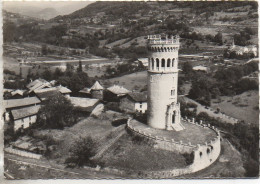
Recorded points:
114,93
134,102
38,84
200,68
13,104
43,94
24,117
85,105
241,50
96,91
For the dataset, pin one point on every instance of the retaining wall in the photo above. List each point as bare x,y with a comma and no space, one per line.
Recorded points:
22,153
204,155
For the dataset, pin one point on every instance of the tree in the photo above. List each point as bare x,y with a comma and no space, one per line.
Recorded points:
44,50
56,113
80,66
81,152
218,38
187,67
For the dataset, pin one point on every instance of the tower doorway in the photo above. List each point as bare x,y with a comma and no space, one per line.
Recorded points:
173,117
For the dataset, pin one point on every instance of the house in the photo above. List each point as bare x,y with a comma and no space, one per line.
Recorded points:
114,93
38,84
200,68
19,93
134,102
47,92
96,91
13,104
44,95
24,117
84,104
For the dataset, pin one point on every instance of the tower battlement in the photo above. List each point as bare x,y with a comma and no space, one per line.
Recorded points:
163,40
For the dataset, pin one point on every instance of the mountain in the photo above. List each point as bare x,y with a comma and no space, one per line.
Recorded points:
44,10
47,13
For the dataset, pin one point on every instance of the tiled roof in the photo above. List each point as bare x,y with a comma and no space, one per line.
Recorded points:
96,86
44,95
21,102
83,102
85,90
18,91
24,112
119,90
37,81
138,96
61,89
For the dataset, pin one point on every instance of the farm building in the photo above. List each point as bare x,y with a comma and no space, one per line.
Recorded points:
134,102
114,93
84,104
38,84
46,92
14,104
24,117
96,91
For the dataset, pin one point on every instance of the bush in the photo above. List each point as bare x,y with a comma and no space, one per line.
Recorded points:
81,152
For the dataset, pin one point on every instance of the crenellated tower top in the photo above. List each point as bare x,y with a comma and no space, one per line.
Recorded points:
163,53
163,39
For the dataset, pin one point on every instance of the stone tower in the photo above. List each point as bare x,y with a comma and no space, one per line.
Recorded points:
163,108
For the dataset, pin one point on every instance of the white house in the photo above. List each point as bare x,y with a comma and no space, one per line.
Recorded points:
24,117
134,102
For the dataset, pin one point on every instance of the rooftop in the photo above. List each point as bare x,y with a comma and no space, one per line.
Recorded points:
96,86
44,95
60,88
12,103
83,102
24,112
138,97
118,90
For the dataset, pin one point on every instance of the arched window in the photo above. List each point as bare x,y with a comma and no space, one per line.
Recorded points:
152,63
157,62
200,154
173,62
168,62
208,150
163,62
162,49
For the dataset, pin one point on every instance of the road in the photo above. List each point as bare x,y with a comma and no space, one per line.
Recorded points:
44,167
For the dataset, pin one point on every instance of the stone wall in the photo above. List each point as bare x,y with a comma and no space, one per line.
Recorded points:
204,155
22,153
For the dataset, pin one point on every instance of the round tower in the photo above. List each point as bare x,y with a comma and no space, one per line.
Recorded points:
163,108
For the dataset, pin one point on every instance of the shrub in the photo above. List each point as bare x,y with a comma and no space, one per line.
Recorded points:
81,152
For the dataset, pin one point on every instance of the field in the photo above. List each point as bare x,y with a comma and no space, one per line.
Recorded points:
134,81
100,129
243,106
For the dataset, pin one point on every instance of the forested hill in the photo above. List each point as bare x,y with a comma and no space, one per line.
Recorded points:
125,9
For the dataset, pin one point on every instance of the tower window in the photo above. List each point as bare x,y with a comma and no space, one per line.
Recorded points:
157,62
163,62
173,62
172,92
168,62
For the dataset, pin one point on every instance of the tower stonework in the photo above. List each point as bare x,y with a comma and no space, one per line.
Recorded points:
163,107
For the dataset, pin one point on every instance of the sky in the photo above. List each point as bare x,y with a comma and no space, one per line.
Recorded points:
62,7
